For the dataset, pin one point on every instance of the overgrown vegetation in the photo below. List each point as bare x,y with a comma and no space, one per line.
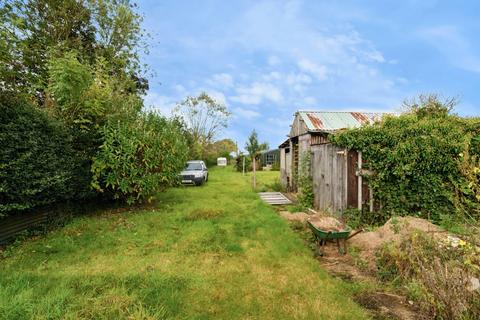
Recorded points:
424,162
241,160
138,157
305,181
71,94
441,276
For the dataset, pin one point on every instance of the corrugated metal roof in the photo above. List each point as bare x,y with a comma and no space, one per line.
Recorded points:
331,121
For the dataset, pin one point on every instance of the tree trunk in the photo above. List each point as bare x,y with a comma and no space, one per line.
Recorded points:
254,174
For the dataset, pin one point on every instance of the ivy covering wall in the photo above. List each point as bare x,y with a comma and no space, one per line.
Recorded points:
424,161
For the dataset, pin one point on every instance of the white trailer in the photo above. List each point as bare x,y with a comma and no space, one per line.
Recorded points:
222,162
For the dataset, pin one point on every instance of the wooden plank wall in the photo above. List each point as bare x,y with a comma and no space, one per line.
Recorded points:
329,173
283,169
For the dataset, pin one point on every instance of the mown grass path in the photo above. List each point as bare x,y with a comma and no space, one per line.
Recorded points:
211,252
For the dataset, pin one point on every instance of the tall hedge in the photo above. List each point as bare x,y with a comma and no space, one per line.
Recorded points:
423,163
35,158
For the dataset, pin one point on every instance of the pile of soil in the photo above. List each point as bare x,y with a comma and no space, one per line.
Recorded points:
394,230
326,223
296,216
320,221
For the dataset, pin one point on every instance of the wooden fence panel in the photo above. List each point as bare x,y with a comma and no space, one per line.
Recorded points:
12,226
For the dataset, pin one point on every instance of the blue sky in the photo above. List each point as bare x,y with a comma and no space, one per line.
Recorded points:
267,59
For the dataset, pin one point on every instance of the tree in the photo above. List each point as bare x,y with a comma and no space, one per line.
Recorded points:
85,97
430,105
205,117
254,149
220,148
33,32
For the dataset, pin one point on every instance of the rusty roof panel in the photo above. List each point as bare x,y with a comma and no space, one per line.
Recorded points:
316,122
328,121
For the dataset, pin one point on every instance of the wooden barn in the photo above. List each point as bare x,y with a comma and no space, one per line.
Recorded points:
337,174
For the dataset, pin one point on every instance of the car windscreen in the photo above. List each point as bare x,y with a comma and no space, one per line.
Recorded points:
193,166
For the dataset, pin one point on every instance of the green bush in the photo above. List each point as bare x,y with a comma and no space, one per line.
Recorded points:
276,166
84,98
239,163
139,156
305,182
36,158
422,162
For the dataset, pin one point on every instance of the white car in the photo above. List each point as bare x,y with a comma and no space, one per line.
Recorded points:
195,172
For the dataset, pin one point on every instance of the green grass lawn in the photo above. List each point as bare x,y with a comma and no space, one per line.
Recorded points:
211,252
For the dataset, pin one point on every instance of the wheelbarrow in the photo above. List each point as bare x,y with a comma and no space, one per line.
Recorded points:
322,236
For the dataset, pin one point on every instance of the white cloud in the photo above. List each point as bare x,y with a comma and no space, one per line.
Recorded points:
273,60
309,101
160,103
274,75
217,95
258,92
297,78
222,80
179,89
319,71
245,113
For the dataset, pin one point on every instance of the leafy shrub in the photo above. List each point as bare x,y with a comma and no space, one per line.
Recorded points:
305,182
276,185
36,158
276,166
85,97
437,274
358,219
239,163
421,161
139,155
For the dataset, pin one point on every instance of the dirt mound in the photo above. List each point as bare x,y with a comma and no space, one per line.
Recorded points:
320,221
296,216
394,230
326,223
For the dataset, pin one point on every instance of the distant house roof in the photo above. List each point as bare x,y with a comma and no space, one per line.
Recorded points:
269,151
329,121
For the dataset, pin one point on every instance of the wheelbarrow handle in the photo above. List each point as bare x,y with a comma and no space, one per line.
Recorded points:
354,234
